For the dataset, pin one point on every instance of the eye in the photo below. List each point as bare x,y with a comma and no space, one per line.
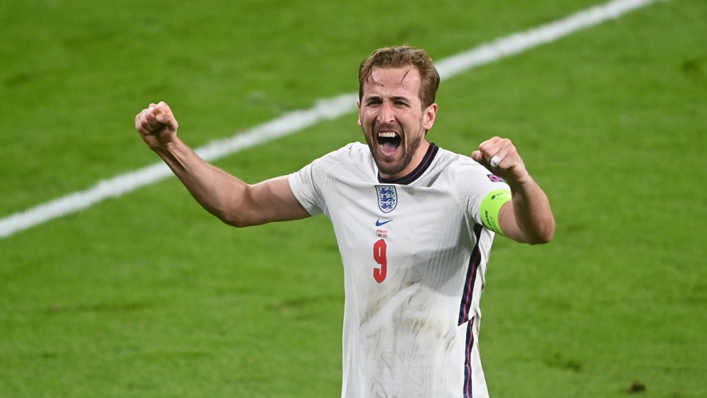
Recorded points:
400,102
373,101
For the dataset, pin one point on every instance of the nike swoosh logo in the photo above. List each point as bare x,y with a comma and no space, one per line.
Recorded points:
379,222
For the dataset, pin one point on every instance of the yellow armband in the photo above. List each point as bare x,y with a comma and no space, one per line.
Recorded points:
491,207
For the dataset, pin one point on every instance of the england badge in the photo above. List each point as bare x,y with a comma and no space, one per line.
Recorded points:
387,197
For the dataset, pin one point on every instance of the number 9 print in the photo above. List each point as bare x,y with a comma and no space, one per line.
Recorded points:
379,254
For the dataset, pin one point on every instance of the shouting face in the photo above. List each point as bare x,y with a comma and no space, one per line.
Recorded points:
393,120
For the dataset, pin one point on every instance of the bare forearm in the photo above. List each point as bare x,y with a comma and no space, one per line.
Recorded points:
215,190
531,213
223,195
527,217
227,197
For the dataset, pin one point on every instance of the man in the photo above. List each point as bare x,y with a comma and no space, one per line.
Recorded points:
414,224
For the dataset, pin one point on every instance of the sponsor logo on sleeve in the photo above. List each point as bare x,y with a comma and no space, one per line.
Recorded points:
495,178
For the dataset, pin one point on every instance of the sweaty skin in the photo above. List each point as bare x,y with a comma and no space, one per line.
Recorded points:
393,120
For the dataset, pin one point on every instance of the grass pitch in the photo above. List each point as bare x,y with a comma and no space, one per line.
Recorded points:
148,296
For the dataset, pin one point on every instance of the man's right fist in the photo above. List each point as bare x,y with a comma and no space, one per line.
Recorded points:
157,125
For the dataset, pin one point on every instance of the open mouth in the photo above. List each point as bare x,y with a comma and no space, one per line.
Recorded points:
389,142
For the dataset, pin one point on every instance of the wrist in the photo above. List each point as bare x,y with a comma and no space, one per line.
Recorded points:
166,146
522,183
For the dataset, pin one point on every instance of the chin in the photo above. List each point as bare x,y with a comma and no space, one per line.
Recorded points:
390,169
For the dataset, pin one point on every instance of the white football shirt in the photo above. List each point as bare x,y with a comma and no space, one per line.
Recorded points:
414,253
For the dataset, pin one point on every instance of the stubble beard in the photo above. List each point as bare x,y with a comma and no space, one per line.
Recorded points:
409,149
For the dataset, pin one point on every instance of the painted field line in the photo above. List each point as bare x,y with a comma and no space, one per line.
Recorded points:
323,110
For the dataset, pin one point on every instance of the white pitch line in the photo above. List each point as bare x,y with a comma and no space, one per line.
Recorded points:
323,110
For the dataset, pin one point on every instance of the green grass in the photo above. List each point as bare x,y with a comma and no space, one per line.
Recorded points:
148,296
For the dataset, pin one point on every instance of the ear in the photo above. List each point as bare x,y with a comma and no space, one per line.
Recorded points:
429,115
358,103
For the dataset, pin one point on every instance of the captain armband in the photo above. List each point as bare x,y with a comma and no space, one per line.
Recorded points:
491,207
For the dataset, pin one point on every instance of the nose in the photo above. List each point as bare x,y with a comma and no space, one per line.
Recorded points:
386,114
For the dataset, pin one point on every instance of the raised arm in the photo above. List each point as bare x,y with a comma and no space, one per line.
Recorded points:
221,194
527,217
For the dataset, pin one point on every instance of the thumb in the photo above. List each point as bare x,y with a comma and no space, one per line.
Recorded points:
476,155
167,119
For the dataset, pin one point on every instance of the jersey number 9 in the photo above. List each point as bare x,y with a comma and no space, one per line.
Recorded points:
379,254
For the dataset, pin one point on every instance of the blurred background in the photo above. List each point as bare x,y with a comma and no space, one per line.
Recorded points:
147,295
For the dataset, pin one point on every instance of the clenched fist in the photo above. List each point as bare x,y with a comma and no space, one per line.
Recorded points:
157,125
500,156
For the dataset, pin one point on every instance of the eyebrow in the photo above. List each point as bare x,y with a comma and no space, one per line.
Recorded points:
392,98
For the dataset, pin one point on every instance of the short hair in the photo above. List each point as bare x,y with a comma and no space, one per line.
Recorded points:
396,57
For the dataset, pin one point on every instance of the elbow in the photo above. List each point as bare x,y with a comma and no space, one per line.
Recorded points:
240,219
540,240
234,221
231,214
544,235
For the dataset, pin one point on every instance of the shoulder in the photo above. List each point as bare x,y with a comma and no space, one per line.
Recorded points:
313,184
466,176
354,154
352,159
455,165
